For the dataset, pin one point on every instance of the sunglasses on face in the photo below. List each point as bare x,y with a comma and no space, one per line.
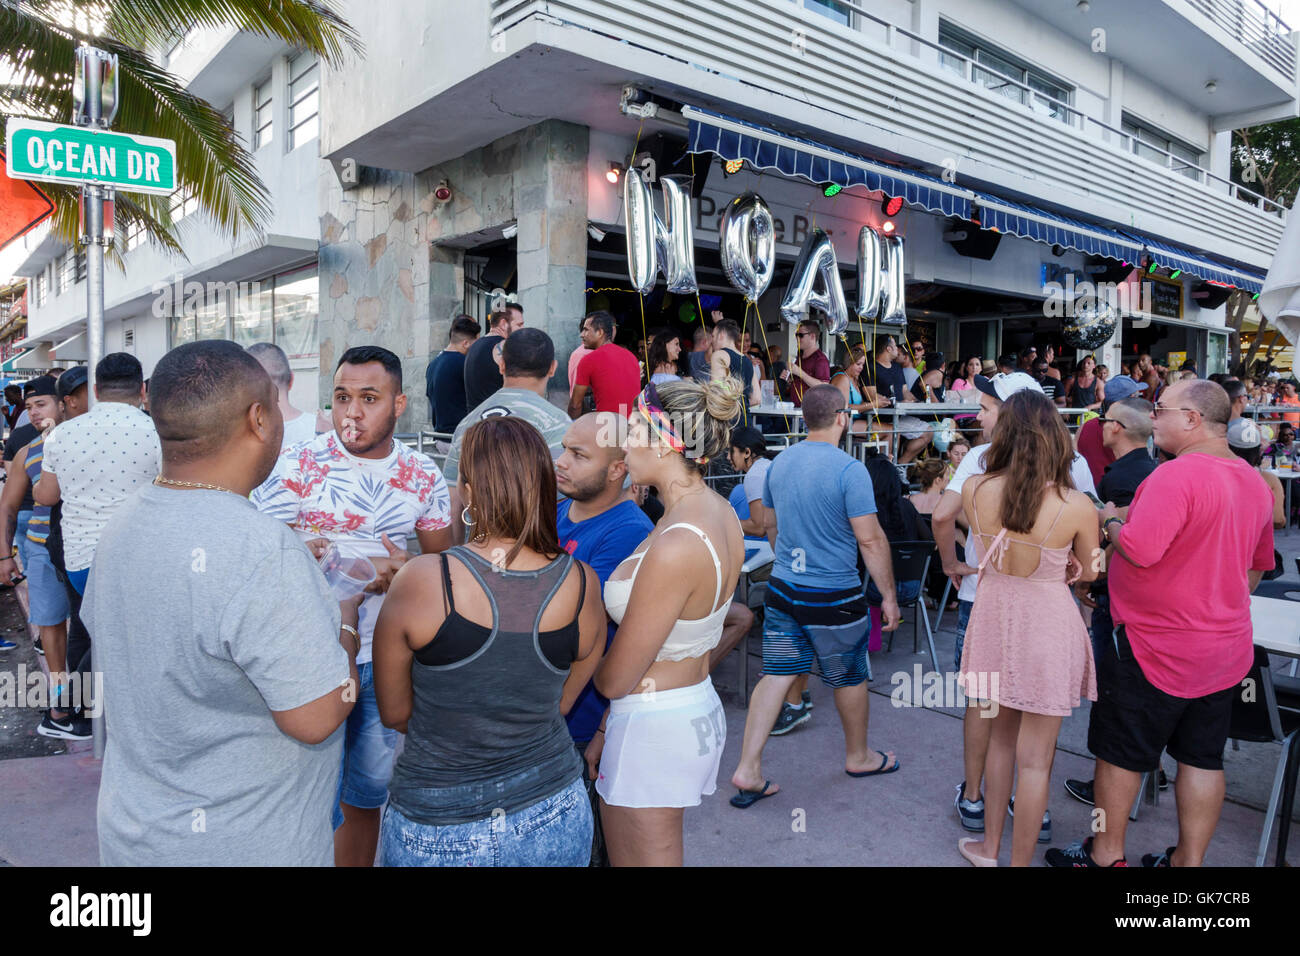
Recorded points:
1112,421
1157,408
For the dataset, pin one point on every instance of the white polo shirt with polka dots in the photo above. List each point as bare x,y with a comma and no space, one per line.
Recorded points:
100,459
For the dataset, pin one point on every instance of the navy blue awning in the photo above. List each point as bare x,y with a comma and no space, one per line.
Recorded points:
1203,267
765,148
1017,219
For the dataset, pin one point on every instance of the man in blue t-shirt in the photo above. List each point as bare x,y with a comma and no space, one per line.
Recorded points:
598,523
444,379
820,514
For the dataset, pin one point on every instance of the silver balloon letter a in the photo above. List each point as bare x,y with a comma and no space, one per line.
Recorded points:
816,259
747,242
653,243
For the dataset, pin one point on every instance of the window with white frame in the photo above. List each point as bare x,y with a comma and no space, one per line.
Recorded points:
42,288
993,68
1159,147
262,124
135,235
304,99
280,308
183,203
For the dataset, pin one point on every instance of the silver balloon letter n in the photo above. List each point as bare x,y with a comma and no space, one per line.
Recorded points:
655,244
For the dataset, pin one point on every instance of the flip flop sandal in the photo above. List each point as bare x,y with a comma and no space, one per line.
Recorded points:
744,799
882,769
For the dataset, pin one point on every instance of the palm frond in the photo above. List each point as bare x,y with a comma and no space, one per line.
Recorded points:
307,24
212,164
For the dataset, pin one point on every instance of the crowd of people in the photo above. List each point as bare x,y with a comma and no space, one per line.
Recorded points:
534,687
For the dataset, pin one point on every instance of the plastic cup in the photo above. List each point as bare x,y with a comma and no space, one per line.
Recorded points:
347,577
767,391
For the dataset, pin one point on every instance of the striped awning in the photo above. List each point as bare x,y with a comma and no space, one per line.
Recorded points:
765,148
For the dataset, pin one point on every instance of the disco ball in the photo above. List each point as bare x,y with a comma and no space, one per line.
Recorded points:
1090,324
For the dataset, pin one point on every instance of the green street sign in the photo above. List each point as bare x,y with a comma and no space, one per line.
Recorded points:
78,154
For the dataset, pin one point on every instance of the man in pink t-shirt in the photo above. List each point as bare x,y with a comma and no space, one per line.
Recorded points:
1198,536
610,372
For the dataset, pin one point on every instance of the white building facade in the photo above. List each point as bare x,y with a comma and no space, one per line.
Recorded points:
478,147
1086,125
255,289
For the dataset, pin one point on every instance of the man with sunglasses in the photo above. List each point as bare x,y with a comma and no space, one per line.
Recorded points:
1089,442
811,366
1125,430
1198,536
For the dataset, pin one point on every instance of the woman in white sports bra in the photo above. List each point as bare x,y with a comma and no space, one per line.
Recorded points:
661,742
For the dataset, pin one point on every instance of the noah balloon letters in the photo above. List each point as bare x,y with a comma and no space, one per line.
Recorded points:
747,247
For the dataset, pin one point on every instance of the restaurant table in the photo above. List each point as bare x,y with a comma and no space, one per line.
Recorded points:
1286,476
1276,626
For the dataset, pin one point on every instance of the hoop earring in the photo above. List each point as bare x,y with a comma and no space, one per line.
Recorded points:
465,517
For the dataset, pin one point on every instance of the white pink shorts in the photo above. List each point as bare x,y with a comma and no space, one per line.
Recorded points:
662,749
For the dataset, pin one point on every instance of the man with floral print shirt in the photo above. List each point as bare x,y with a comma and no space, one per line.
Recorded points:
357,487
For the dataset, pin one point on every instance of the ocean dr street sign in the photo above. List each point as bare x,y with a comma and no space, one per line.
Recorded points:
78,154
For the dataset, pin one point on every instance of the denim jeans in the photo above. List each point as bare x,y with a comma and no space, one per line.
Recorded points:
555,831
1102,626
369,749
963,618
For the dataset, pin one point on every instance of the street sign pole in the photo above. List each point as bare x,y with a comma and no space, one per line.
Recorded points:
93,200
92,197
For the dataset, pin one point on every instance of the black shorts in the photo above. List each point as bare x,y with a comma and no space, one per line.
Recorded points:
1133,720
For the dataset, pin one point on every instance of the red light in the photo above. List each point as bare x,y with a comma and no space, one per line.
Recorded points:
442,192
888,227
893,205
613,173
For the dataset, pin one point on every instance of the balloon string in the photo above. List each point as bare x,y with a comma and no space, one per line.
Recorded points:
699,306
762,328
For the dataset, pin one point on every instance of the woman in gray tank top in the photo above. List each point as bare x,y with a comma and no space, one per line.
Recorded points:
478,655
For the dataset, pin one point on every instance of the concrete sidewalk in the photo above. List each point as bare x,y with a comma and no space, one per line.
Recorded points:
821,817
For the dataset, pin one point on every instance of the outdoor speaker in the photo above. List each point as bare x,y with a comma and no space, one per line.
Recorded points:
968,239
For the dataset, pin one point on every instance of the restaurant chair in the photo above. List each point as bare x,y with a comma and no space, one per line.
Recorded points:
911,560
1273,716
751,590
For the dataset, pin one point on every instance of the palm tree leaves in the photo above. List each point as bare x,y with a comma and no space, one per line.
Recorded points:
38,44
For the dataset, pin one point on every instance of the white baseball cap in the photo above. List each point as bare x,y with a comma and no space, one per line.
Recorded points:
1003,387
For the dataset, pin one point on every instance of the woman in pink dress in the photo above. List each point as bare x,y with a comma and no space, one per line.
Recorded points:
1026,649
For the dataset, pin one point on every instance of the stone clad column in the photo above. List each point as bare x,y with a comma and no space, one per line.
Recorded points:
551,208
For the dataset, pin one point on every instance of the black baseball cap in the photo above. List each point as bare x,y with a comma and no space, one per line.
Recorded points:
71,380
40,385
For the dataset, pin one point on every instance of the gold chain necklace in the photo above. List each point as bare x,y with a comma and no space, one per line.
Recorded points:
160,480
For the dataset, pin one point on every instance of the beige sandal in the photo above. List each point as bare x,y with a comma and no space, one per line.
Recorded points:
972,858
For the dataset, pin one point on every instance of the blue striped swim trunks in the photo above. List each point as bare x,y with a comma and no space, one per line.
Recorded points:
832,626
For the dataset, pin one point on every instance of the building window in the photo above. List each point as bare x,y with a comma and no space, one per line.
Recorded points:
304,99
42,288
282,309
65,271
994,69
182,204
1150,143
262,125
135,235
296,313
839,12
